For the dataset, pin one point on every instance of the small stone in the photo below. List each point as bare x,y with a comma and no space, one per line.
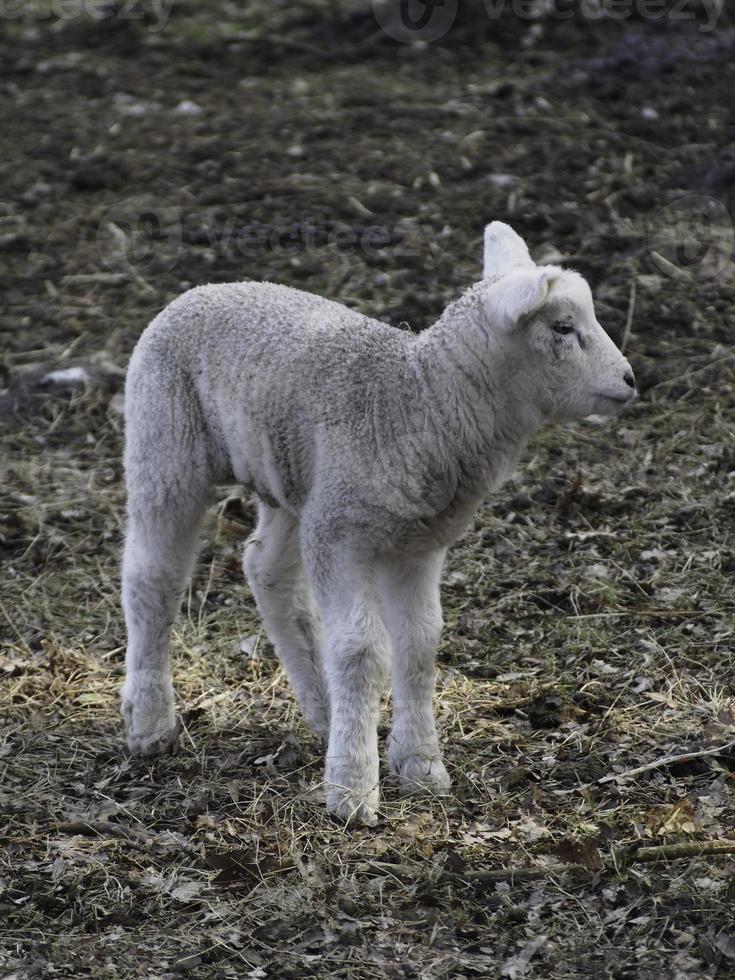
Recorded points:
188,108
190,961
67,377
650,283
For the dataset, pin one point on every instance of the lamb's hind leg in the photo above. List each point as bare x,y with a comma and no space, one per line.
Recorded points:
159,552
168,481
275,573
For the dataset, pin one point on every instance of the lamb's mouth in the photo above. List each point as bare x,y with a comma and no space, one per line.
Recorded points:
618,399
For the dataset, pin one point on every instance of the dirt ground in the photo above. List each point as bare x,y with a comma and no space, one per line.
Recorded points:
589,609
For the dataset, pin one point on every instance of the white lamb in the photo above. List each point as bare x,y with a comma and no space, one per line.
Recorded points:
369,449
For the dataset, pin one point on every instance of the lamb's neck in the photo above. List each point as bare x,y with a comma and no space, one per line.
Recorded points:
474,391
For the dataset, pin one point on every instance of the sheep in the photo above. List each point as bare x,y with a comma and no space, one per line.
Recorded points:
369,450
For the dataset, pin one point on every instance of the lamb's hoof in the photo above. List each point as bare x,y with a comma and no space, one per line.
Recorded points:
147,740
149,746
320,727
352,808
419,776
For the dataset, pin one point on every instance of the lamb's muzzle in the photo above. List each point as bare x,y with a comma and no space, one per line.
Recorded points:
369,449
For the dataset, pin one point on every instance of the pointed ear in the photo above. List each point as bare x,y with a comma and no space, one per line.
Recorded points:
517,295
504,250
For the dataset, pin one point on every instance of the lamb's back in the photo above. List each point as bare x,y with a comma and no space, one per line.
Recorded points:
277,371
266,324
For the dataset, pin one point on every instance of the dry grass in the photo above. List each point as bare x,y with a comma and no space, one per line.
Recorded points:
582,642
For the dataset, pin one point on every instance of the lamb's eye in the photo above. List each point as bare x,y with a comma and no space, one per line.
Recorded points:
562,328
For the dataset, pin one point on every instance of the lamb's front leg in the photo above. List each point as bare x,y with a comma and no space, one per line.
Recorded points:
409,590
356,656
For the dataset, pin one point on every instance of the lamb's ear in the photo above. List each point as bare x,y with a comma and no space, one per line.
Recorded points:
504,250
517,295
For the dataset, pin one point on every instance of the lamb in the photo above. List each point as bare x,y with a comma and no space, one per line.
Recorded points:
369,449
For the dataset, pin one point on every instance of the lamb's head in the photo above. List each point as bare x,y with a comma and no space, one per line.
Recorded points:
545,317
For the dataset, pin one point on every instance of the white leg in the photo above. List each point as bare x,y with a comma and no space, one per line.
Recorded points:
275,573
356,657
169,470
159,553
409,591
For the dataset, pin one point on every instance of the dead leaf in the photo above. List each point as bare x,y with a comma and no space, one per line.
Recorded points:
288,755
502,833
726,945
680,818
706,884
187,890
581,852
529,830
58,868
519,964
725,720
672,820
205,820
547,711
245,865
418,826
480,833
187,961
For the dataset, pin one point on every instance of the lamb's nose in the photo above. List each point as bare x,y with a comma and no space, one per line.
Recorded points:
629,379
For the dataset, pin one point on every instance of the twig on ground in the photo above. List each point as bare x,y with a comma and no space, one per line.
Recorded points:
283,41
140,838
632,613
683,275
620,858
104,828
667,760
671,852
96,278
629,317
716,362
